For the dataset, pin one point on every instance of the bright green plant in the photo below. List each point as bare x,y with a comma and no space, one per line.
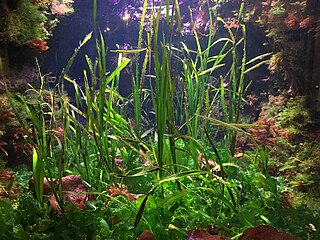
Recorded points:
232,97
180,188
105,134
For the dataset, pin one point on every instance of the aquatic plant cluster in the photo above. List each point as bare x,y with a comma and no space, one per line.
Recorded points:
175,159
30,22
288,24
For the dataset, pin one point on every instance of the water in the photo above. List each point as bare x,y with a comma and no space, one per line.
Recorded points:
178,136
119,23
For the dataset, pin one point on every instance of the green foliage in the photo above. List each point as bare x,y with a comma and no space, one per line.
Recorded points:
6,218
278,9
25,222
14,150
22,177
90,224
296,115
23,24
301,155
93,147
166,218
178,192
46,140
272,32
29,221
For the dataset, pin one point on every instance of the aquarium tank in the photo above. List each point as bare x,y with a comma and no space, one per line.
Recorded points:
160,119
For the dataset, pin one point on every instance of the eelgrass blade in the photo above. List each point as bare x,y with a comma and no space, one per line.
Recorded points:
215,151
142,207
38,175
73,57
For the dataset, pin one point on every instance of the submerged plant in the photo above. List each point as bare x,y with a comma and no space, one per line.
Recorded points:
187,178
22,24
27,23
14,150
278,9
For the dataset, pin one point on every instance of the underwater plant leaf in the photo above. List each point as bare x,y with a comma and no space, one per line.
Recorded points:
203,235
73,190
77,88
142,206
233,126
119,69
38,168
37,174
180,175
141,173
215,151
178,17
86,39
209,70
265,232
259,58
232,37
173,198
146,235
130,51
73,57
232,196
147,59
95,15
186,49
257,66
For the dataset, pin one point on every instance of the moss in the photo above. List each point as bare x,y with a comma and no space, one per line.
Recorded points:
298,158
23,24
305,199
296,115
